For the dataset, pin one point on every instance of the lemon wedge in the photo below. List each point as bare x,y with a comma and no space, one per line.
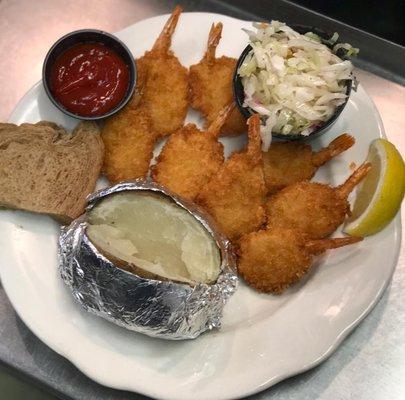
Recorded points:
380,195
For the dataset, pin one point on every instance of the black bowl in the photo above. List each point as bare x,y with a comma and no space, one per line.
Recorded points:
239,93
89,36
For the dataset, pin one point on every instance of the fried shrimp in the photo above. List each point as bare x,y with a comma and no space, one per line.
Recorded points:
313,208
158,108
190,157
288,163
273,259
165,92
235,194
211,86
129,143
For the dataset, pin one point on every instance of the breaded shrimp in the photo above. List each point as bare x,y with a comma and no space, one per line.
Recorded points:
190,157
129,143
234,196
273,259
211,86
288,163
165,92
158,107
313,208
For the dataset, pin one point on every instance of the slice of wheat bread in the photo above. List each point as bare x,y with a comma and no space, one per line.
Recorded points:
45,169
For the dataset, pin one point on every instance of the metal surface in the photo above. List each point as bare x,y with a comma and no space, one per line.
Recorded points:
370,363
377,55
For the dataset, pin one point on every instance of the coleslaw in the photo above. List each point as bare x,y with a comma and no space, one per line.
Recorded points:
292,80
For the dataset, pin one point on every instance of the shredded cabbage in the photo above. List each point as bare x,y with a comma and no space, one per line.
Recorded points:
294,81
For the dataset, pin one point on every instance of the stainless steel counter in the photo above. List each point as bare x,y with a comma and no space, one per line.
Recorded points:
369,365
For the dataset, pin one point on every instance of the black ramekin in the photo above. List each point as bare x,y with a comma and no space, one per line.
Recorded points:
89,36
239,93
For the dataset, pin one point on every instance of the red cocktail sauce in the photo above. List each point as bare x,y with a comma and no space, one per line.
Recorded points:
89,79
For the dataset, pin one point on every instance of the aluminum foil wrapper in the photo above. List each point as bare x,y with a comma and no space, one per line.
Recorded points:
163,309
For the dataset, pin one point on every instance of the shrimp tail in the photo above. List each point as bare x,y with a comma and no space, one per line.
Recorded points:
354,179
215,127
337,146
213,39
320,246
164,41
254,147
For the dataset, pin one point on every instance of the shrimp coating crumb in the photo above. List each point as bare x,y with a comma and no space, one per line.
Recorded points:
313,208
288,163
166,90
129,143
273,259
211,86
165,93
157,108
234,196
189,158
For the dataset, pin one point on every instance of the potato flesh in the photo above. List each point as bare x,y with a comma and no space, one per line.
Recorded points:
153,233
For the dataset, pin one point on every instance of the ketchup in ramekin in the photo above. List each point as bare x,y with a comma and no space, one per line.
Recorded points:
89,79
89,74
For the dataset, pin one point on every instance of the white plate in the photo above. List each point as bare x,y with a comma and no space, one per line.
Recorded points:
264,338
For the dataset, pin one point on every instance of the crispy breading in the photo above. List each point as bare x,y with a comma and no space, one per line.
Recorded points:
189,158
285,164
291,162
273,259
158,107
211,86
235,195
129,142
165,91
313,208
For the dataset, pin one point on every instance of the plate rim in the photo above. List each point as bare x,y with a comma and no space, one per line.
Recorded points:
149,391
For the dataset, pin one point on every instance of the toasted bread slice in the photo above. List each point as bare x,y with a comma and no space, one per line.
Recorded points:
46,170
